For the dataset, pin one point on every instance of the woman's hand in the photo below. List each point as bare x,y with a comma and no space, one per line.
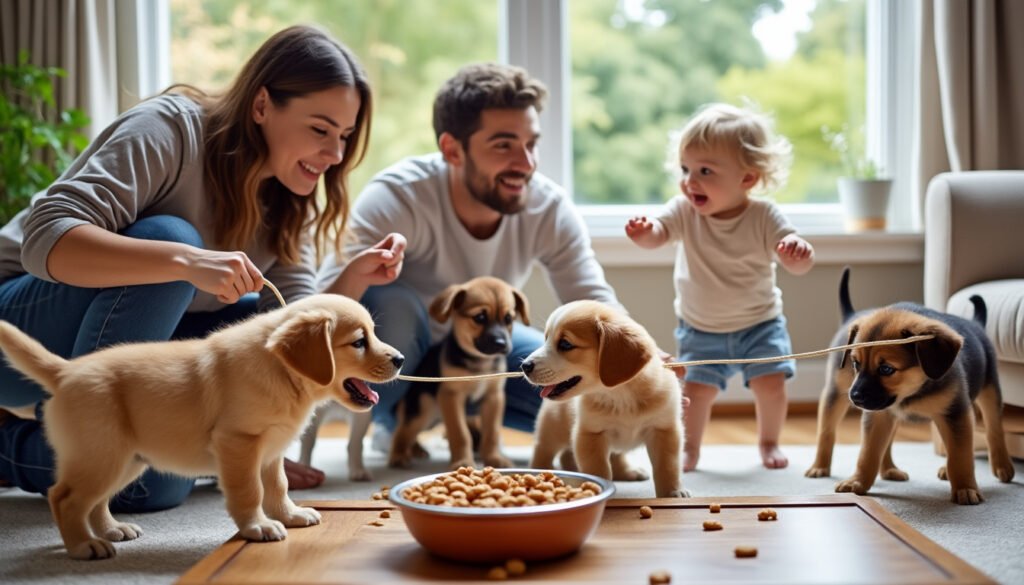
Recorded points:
226,275
374,266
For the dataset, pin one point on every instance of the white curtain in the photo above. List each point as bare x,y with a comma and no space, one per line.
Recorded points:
79,36
970,101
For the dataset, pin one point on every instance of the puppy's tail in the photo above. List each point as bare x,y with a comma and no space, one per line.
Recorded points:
29,357
844,295
980,310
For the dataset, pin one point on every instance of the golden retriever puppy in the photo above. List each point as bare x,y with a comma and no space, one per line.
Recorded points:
482,312
227,405
607,393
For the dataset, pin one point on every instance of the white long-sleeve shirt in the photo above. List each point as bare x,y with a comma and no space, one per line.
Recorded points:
412,198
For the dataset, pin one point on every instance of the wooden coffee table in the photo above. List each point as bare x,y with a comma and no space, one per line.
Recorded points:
821,539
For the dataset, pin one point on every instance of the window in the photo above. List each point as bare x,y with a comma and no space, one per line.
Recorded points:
407,48
622,74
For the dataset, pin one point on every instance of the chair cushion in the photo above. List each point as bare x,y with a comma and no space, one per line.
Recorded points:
1004,300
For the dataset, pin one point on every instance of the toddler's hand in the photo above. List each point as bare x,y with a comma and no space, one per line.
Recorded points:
793,247
639,227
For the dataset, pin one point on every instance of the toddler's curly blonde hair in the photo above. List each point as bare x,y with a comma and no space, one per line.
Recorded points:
744,132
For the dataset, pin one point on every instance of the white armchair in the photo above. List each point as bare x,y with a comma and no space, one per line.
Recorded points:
974,244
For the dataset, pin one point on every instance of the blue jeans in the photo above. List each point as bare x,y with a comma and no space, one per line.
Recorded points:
763,340
71,321
401,321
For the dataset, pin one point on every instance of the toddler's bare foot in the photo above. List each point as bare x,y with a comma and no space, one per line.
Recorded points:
690,457
772,456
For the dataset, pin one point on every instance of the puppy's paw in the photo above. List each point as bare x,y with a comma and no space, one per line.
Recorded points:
852,485
93,549
263,531
122,531
301,517
359,473
815,471
455,465
399,462
631,474
1004,473
498,461
942,474
967,497
418,452
679,493
894,474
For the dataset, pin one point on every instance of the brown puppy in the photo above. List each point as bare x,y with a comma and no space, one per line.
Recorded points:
834,401
482,312
938,379
227,405
607,393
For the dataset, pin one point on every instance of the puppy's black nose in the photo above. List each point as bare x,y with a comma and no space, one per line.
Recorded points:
398,360
527,367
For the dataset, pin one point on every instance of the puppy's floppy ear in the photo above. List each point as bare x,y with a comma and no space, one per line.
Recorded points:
444,303
621,353
522,308
937,355
303,343
854,328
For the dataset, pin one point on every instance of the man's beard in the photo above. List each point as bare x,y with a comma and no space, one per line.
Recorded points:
488,193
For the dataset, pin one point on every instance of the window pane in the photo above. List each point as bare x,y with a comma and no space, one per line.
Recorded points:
407,48
641,67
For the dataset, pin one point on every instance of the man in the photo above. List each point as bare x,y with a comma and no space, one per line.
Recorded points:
476,208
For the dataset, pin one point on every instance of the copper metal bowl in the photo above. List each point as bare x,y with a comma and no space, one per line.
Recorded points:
488,535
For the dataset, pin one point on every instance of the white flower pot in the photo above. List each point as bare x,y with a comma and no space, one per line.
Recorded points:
865,203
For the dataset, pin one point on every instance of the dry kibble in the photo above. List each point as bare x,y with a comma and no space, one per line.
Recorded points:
488,488
377,496
746,552
712,525
646,512
767,514
715,508
376,523
497,574
660,578
385,514
515,567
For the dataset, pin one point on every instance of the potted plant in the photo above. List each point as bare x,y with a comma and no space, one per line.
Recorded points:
863,191
36,141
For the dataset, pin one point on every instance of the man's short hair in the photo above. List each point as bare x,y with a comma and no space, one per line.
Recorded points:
483,86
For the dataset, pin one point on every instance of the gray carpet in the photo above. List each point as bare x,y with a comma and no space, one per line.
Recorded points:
987,536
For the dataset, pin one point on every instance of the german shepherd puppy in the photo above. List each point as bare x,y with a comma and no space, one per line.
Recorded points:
482,312
940,379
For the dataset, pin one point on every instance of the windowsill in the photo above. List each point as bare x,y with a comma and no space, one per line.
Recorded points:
821,225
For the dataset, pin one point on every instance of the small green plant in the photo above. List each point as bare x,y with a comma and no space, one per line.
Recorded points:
36,142
849,145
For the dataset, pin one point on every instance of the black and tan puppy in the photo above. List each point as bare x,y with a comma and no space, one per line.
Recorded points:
482,312
940,379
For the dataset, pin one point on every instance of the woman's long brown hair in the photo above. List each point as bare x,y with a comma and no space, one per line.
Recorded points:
294,62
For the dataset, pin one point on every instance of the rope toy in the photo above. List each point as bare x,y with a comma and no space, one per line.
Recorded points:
670,365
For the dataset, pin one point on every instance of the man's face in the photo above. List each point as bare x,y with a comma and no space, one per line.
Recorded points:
501,158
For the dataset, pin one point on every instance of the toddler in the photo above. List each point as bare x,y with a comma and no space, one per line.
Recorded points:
726,300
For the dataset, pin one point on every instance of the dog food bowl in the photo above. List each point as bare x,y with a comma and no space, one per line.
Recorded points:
488,535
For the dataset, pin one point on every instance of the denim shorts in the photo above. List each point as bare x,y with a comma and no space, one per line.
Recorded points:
766,339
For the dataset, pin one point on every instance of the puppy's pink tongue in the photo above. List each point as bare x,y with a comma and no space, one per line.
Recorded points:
365,390
547,390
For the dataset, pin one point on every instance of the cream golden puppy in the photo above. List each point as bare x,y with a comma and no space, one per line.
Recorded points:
607,392
227,405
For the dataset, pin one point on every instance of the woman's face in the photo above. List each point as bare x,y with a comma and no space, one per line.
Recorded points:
307,135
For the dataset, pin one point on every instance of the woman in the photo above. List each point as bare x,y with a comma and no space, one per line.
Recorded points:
173,218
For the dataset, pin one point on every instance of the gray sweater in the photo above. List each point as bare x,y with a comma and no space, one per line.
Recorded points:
147,162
